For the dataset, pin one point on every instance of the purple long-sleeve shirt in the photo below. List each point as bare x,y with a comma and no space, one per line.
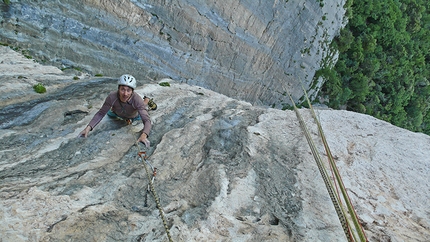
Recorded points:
129,109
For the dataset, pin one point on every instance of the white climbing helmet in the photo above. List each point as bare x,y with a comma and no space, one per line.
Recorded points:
127,80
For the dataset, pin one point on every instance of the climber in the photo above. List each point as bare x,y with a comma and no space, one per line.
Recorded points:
125,104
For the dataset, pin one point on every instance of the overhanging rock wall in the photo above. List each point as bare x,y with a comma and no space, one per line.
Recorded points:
249,50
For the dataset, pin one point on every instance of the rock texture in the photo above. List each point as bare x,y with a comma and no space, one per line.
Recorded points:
227,170
249,50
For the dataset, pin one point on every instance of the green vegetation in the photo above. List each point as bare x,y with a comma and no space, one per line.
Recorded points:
25,53
383,65
98,75
164,84
7,2
39,88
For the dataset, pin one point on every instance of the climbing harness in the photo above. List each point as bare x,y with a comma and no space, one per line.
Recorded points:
351,232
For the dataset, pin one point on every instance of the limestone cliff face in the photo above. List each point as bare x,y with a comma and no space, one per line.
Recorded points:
249,50
227,170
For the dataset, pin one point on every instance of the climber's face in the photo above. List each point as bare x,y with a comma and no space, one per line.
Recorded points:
125,93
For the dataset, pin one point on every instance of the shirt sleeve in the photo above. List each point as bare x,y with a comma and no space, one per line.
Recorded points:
102,111
142,109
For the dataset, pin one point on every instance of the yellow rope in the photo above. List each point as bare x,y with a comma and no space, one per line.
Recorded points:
358,228
150,181
157,200
328,183
151,185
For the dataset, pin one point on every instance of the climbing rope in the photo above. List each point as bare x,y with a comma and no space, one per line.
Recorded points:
151,178
346,226
327,181
354,217
142,156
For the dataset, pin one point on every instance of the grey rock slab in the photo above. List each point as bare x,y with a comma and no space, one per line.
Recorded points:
226,170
